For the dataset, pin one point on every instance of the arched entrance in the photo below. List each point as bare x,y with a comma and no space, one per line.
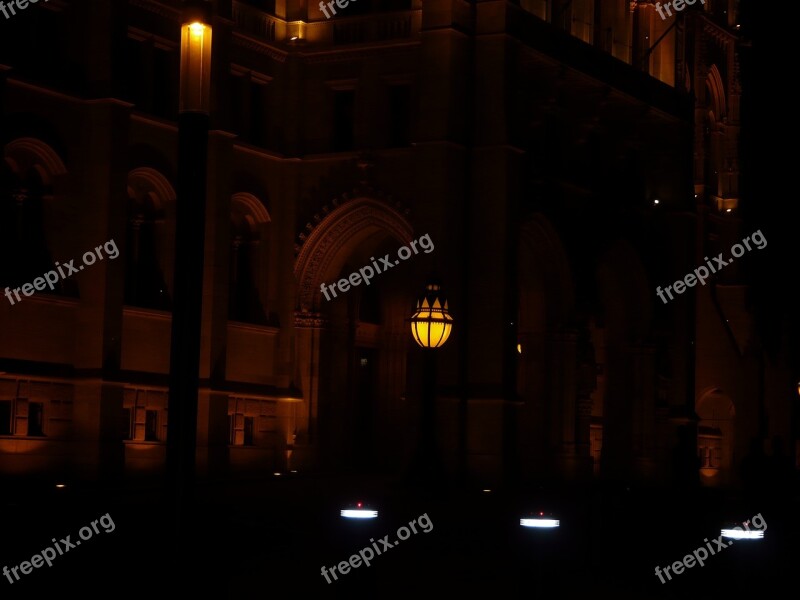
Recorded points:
350,346
546,352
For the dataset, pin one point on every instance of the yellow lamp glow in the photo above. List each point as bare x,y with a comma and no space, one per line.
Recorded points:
195,67
431,323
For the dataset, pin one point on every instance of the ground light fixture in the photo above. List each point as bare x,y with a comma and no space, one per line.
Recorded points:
737,533
540,520
359,511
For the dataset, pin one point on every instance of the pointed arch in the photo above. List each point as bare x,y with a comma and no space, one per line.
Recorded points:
716,91
323,249
544,266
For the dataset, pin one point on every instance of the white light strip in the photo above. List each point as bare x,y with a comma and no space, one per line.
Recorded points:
359,513
740,534
546,523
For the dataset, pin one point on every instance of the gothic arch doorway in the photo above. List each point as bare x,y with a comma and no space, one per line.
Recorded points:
546,426
350,348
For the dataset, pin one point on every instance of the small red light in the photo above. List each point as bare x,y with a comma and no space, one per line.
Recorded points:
541,514
359,505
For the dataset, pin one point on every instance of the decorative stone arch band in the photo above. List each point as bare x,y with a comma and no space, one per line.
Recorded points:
27,153
345,225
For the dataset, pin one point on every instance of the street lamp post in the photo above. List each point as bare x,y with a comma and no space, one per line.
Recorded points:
431,325
190,209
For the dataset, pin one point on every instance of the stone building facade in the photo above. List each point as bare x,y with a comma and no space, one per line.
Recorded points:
565,157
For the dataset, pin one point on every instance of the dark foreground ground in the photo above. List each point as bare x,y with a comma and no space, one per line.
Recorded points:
270,538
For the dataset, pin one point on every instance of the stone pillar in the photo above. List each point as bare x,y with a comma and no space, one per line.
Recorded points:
98,316
308,335
565,413
644,410
98,451
212,434
587,383
617,413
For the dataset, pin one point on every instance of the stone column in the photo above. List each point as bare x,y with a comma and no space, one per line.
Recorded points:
644,410
308,334
587,383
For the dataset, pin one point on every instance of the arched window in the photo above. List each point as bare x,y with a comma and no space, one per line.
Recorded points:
145,252
24,192
249,259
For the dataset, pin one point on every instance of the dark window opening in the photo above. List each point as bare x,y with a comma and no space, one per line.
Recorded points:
257,110
237,109
35,43
165,89
126,424
24,254
144,282
35,418
249,423
151,426
244,300
134,86
343,120
399,113
6,413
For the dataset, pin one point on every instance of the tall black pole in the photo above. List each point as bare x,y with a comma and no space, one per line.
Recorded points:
429,454
184,370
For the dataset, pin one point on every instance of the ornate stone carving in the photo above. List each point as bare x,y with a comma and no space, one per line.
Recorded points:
309,320
323,241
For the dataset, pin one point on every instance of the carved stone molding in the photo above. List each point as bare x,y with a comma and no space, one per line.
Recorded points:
309,320
321,242
248,42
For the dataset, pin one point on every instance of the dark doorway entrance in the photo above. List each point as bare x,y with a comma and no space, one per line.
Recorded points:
366,370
